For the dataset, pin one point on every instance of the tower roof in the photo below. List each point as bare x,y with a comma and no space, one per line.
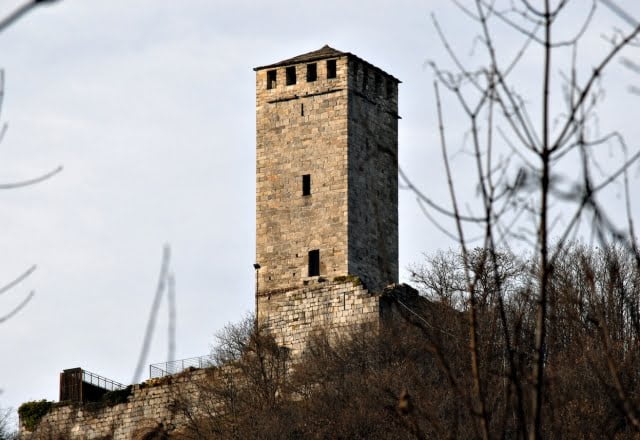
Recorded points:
325,51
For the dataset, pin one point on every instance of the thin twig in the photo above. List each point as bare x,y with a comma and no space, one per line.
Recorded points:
148,334
18,280
17,309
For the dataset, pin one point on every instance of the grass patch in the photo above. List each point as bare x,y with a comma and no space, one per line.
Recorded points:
355,280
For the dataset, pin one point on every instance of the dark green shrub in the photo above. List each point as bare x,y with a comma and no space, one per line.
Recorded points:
117,396
32,412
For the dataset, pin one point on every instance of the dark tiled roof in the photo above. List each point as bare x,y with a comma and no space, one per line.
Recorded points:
322,53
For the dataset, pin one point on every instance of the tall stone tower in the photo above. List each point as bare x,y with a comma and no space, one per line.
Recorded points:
327,167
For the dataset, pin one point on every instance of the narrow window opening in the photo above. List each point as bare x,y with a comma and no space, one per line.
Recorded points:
312,72
314,263
306,185
331,69
291,75
301,109
271,79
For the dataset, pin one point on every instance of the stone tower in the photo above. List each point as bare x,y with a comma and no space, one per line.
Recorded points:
327,167
327,233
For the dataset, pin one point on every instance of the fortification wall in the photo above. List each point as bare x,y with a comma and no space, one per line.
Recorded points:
162,405
292,316
151,406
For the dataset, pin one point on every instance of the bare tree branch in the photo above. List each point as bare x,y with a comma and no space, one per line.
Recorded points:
148,334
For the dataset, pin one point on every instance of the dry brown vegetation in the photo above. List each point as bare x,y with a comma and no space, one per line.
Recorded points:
530,93
536,343
542,343
412,378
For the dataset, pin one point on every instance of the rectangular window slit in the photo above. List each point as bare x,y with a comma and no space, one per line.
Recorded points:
331,69
271,79
291,75
301,109
312,72
314,263
306,185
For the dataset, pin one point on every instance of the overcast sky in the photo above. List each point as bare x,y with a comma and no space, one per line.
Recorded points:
150,107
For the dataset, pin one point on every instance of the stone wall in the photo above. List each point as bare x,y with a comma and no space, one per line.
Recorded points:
373,175
151,405
165,404
294,315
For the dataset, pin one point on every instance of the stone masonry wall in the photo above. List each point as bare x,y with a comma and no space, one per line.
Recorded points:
334,306
343,132
373,175
301,129
292,316
150,405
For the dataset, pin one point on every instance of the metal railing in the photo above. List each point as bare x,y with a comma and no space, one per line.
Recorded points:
100,381
173,367
79,385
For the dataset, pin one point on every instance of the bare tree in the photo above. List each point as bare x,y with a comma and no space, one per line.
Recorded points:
6,429
6,432
409,378
245,396
539,179
4,23
527,334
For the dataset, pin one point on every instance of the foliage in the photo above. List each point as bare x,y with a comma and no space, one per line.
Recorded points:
32,412
110,398
410,379
116,397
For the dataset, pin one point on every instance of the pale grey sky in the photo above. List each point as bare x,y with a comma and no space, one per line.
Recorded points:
149,106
